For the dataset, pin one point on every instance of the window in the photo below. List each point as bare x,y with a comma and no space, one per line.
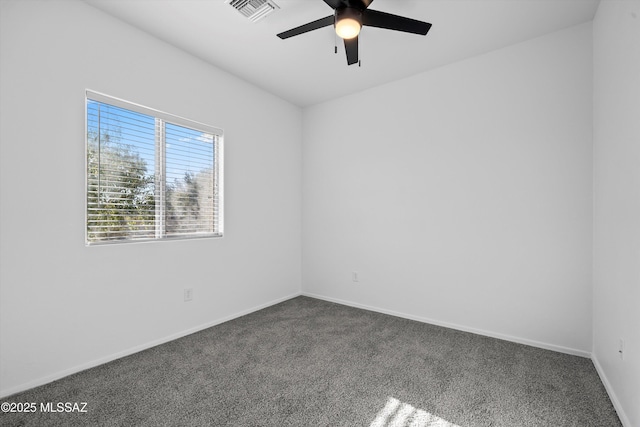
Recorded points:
150,175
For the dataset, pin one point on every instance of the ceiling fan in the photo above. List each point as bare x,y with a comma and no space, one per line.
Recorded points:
348,19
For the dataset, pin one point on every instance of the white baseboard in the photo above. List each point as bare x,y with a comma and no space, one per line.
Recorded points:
101,361
612,395
546,346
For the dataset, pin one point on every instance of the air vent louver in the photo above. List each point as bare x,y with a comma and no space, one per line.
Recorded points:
254,10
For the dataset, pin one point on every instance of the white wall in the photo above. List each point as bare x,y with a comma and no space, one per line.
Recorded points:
462,195
64,306
616,116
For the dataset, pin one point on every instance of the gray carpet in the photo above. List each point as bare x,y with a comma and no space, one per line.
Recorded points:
307,362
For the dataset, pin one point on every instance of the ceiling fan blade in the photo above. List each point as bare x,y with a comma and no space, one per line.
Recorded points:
374,18
351,46
322,22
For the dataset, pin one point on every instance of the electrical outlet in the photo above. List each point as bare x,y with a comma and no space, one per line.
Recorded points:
354,276
621,348
188,294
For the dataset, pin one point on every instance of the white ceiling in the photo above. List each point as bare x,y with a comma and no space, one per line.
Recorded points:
304,69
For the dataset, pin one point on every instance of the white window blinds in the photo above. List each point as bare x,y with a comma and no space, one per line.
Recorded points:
150,175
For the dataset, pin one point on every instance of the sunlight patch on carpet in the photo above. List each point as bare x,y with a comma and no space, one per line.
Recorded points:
398,414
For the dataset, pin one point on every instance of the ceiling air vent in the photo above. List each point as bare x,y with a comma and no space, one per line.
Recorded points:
254,9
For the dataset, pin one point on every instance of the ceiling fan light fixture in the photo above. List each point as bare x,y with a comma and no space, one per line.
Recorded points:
348,28
348,22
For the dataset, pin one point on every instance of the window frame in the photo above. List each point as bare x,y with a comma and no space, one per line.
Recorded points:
218,167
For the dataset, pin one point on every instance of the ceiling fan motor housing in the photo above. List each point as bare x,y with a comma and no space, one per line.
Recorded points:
349,13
